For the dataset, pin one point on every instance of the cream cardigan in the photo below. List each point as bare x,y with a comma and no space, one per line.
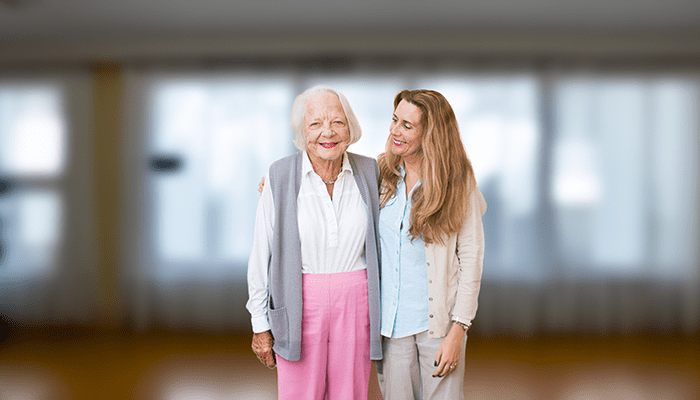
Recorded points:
454,271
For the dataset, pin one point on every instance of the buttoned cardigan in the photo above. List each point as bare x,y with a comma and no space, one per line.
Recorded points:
454,271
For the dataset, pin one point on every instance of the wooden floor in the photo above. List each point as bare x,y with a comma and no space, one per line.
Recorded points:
68,363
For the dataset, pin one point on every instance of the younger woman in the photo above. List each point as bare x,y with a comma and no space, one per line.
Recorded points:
432,248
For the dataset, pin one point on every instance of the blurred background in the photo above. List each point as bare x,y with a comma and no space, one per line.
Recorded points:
133,135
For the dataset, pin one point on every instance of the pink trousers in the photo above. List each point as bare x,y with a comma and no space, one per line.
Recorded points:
334,361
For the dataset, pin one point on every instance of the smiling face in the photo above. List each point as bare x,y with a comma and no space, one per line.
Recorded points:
406,131
325,127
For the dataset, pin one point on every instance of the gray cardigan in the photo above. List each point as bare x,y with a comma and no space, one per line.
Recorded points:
284,272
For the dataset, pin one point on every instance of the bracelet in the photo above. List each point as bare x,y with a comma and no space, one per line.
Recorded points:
463,325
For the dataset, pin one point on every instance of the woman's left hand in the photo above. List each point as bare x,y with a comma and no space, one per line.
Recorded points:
450,352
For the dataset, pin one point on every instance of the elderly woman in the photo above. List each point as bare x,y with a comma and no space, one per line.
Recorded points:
432,243
313,271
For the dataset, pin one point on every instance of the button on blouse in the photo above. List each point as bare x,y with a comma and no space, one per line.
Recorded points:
404,289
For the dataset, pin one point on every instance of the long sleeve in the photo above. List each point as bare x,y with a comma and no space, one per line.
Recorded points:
259,260
470,253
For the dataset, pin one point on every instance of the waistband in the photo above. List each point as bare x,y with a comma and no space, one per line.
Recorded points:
336,278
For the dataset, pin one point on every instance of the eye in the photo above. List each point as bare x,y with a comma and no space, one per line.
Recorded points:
339,122
407,126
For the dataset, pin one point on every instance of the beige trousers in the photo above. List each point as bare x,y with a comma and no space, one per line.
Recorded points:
406,372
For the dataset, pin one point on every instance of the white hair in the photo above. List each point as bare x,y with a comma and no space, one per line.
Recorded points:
299,111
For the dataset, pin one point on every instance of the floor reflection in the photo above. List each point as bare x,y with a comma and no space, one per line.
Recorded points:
88,364
21,381
208,378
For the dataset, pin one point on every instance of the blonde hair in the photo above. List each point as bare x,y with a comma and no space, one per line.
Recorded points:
447,177
299,111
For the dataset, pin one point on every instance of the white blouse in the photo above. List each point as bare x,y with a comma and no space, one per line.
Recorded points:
332,234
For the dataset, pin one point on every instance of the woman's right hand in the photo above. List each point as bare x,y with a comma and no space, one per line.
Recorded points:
262,347
261,185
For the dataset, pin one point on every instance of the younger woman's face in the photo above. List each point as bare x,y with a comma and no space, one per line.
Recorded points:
406,132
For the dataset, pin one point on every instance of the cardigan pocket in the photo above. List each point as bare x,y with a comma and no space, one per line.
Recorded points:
279,323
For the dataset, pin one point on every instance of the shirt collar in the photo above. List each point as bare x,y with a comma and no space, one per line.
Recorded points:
402,181
307,168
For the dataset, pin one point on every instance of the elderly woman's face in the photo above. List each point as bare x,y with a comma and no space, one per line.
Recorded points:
325,126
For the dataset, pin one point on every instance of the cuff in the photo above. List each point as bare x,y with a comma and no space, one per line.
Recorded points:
464,323
260,324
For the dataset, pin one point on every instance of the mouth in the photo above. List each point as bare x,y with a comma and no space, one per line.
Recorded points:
329,145
399,143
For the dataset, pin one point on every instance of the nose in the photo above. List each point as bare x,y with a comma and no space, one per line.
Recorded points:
327,131
393,128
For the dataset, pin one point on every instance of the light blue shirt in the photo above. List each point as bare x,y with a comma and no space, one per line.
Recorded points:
404,273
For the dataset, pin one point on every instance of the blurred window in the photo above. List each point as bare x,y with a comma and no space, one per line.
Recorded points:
624,180
32,163
211,140
583,174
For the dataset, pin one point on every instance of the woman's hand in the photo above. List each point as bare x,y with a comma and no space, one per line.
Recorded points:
262,347
450,351
261,185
